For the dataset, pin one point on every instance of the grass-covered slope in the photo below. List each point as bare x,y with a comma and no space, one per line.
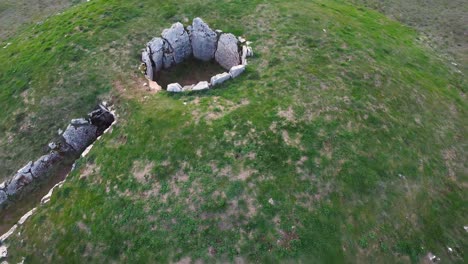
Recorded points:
343,142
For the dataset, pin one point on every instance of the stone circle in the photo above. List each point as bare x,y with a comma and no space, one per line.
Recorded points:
200,42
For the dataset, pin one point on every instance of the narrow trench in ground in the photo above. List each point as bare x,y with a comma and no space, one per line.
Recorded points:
10,215
191,71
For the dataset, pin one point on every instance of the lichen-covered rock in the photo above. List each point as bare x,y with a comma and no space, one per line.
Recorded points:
201,86
227,54
80,134
179,40
174,87
145,57
220,78
203,40
156,50
236,70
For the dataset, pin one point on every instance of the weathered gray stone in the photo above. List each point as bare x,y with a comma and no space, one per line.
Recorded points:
236,71
156,50
44,164
203,40
18,182
168,58
220,78
80,136
249,51
178,39
227,54
145,57
174,87
3,197
201,86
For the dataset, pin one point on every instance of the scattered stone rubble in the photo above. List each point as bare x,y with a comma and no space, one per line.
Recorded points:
200,42
79,134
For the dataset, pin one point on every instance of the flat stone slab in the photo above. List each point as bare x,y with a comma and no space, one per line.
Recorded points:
220,78
201,86
236,70
174,87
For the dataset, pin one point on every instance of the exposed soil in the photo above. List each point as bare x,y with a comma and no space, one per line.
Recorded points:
190,71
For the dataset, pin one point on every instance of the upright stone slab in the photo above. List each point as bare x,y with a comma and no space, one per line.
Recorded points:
203,40
179,40
145,57
227,54
156,48
168,58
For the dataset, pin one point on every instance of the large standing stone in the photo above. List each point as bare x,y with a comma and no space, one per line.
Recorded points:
227,54
145,57
179,40
156,48
80,134
168,58
203,40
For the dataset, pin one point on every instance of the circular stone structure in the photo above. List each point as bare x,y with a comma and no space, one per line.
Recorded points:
198,41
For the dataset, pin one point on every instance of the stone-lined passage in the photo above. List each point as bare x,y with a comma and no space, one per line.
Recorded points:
199,41
79,134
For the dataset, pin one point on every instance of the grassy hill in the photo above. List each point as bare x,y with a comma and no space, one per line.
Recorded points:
343,142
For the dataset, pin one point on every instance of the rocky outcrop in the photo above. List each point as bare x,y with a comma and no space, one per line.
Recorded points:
79,134
203,39
227,54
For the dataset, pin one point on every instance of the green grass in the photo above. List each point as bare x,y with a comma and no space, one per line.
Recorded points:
342,142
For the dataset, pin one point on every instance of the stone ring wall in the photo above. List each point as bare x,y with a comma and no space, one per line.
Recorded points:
178,43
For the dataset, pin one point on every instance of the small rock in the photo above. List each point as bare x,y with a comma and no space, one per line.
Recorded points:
145,84
201,86
220,78
236,70
227,54
52,145
241,39
174,87
271,201
154,86
249,51
244,55
466,228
